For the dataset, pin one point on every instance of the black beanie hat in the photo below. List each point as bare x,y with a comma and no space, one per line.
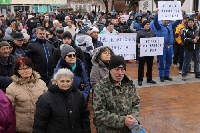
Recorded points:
59,30
145,22
117,61
66,34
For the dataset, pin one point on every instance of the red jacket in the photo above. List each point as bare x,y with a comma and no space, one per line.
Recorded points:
7,115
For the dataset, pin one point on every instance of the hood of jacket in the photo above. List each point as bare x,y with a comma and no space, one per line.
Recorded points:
34,78
138,15
82,38
96,53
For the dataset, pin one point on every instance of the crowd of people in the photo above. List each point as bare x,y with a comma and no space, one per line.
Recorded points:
49,64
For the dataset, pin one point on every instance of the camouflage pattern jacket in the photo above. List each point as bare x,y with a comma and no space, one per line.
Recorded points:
112,103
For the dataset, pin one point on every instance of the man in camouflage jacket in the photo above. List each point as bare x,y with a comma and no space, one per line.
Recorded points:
115,100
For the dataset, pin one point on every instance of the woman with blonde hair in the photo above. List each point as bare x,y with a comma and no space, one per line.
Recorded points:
23,92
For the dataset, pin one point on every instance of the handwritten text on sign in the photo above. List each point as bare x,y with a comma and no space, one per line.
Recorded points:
151,46
123,44
169,10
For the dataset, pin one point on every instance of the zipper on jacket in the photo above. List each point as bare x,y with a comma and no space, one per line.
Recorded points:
47,54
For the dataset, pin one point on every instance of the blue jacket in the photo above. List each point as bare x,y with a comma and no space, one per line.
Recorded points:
80,76
136,23
19,51
96,43
165,31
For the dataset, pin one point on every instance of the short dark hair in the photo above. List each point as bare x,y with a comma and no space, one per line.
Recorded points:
51,31
40,28
17,25
22,61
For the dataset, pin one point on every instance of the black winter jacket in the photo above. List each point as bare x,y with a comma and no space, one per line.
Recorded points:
124,28
41,54
6,71
57,54
144,34
188,34
56,42
59,111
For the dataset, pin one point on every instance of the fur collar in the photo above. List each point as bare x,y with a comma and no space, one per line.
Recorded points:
34,78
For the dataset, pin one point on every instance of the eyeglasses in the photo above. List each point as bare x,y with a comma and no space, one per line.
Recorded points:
23,69
71,55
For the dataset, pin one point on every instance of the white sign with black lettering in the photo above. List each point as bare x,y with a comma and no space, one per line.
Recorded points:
123,44
151,46
169,10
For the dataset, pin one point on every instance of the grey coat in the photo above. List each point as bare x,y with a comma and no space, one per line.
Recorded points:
99,69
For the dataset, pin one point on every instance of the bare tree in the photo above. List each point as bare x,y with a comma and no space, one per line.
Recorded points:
133,4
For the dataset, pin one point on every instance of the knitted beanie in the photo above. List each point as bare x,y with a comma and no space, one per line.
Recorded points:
65,49
4,43
66,34
117,61
145,22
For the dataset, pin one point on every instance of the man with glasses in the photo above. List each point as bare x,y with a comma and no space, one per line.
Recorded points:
165,29
40,51
6,66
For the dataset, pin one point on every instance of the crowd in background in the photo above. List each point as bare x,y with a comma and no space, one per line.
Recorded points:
49,59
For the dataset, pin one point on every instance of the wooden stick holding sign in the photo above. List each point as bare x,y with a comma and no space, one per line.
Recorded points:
151,46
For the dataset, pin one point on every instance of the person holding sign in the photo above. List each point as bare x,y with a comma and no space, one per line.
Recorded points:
165,29
145,33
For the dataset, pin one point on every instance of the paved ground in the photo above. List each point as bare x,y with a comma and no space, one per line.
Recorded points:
168,107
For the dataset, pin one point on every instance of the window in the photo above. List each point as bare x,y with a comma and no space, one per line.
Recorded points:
127,2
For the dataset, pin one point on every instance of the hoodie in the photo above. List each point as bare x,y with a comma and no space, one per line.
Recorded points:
85,43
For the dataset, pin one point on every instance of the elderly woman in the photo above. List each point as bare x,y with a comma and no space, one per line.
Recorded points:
62,109
24,92
68,60
100,61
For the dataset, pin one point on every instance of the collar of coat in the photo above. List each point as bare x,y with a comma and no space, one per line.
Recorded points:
108,80
78,70
34,78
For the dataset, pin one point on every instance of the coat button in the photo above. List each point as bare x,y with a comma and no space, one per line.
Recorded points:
70,111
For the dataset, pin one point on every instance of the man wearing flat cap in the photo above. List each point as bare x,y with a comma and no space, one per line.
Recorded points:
6,65
115,100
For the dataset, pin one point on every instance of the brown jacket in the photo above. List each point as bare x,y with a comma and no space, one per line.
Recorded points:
24,96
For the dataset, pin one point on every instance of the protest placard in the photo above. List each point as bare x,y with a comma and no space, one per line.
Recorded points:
151,46
169,10
123,44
